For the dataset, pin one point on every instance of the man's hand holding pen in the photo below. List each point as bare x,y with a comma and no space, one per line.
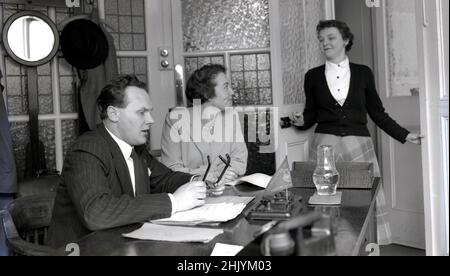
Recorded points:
217,188
216,183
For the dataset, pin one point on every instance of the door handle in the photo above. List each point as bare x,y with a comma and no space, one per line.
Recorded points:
179,84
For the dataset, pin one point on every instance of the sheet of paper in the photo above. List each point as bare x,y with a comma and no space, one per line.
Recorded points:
257,179
216,210
156,232
226,250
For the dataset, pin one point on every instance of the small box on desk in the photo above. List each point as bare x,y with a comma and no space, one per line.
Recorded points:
353,175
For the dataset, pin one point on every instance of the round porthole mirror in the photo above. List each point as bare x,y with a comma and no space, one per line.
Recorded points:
30,38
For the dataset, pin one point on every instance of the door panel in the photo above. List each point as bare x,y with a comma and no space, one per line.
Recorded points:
398,82
432,30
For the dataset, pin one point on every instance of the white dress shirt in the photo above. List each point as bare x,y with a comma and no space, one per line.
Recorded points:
126,150
338,79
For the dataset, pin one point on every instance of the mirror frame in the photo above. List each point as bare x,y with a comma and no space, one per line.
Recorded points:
47,20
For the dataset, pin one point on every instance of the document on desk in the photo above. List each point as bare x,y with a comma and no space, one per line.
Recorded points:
226,250
258,179
216,210
156,232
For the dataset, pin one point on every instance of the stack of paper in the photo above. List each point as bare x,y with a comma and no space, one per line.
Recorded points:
215,210
174,233
257,179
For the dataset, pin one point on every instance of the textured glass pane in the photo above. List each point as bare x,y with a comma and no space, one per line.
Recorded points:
14,85
65,85
47,137
67,79
138,24
111,6
127,24
140,66
237,63
65,69
112,21
45,85
17,105
16,88
44,69
264,62
124,7
264,79
13,68
45,90
126,42
248,79
139,42
20,135
250,62
137,7
266,96
237,80
69,133
225,24
251,96
68,104
45,104
126,66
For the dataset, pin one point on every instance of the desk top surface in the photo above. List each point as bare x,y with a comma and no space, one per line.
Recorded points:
350,224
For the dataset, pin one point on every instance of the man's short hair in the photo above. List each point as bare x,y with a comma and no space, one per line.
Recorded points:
343,28
113,94
201,84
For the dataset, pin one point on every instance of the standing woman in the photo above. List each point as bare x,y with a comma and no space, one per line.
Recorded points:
339,95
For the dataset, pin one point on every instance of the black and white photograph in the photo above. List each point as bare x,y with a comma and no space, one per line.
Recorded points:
223,133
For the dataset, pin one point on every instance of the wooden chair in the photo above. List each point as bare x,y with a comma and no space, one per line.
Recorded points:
17,245
32,216
46,184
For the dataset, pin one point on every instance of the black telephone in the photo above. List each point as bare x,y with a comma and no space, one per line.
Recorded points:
309,234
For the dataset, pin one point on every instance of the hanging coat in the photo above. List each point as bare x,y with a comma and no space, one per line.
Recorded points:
93,80
8,180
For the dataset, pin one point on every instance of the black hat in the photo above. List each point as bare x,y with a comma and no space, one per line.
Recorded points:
84,44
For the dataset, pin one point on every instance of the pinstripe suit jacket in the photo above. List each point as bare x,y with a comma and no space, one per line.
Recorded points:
96,191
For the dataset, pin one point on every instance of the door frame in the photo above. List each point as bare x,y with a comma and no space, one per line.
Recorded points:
434,61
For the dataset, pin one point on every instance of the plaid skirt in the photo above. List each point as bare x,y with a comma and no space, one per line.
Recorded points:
358,149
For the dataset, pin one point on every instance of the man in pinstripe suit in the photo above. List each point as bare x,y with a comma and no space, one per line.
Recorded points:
109,179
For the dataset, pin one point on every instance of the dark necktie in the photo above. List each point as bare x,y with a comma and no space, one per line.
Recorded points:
140,176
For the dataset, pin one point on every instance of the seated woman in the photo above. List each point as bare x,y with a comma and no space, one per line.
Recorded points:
208,127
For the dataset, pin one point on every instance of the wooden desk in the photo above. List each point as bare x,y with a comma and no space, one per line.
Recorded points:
354,225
